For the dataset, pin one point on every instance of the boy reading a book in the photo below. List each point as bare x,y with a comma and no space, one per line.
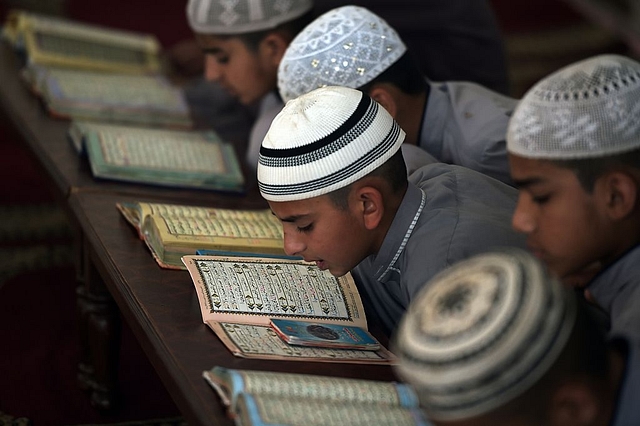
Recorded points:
574,149
460,123
332,171
496,340
243,42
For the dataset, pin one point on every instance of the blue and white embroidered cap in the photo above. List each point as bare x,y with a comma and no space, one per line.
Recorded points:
482,332
347,46
587,109
242,16
323,141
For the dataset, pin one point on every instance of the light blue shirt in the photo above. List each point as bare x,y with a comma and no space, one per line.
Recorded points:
448,213
466,124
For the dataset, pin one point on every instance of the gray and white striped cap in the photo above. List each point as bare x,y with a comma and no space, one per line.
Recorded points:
482,332
323,141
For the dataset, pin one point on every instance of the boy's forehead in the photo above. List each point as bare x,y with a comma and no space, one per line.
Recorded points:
290,211
213,41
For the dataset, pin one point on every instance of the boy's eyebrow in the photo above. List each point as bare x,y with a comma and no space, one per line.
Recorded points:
523,183
291,219
211,50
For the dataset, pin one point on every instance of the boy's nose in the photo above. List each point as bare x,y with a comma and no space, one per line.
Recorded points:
293,246
211,68
523,220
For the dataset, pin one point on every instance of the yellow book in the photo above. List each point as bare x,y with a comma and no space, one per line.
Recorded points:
58,42
172,231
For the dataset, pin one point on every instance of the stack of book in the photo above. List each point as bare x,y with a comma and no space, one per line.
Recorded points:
126,115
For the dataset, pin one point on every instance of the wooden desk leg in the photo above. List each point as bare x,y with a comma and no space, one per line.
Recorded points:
100,332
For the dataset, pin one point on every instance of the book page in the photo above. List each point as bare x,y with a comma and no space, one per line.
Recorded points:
253,290
261,342
161,151
277,410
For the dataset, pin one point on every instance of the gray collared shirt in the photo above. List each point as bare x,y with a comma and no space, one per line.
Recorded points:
617,291
449,213
466,124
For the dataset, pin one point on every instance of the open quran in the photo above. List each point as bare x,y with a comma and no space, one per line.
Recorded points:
186,159
58,42
271,398
239,296
110,97
171,231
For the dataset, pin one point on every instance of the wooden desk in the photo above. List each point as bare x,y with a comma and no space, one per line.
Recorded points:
118,276
162,308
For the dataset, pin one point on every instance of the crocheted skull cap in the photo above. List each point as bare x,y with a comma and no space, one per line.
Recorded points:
242,16
588,109
323,141
347,46
482,332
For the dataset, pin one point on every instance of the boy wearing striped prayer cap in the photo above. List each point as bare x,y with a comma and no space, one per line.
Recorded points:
332,171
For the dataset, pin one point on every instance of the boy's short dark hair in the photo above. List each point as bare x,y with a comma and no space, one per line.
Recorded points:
393,171
404,74
588,170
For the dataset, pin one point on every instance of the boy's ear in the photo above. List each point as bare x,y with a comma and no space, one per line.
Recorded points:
381,95
621,194
574,404
273,46
369,201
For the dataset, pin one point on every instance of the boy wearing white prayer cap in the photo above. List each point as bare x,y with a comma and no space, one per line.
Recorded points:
574,148
243,42
459,123
497,340
332,171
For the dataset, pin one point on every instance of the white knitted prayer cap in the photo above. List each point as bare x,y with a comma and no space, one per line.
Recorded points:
588,109
482,332
347,46
323,141
242,16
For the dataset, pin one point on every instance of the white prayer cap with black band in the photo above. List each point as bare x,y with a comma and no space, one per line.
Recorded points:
347,46
588,109
482,332
227,17
323,141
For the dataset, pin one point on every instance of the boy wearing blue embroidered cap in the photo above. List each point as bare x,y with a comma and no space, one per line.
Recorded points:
332,171
496,340
459,123
574,148
243,42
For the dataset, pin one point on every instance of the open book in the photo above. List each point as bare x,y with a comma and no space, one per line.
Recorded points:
173,230
239,296
53,41
109,97
187,159
271,398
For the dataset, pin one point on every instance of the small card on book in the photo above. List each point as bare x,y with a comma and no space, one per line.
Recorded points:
308,333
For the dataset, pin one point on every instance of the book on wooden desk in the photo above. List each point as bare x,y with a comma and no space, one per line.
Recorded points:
60,42
254,398
239,296
185,159
171,231
110,97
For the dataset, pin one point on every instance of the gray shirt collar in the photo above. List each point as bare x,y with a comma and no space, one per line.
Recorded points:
399,232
